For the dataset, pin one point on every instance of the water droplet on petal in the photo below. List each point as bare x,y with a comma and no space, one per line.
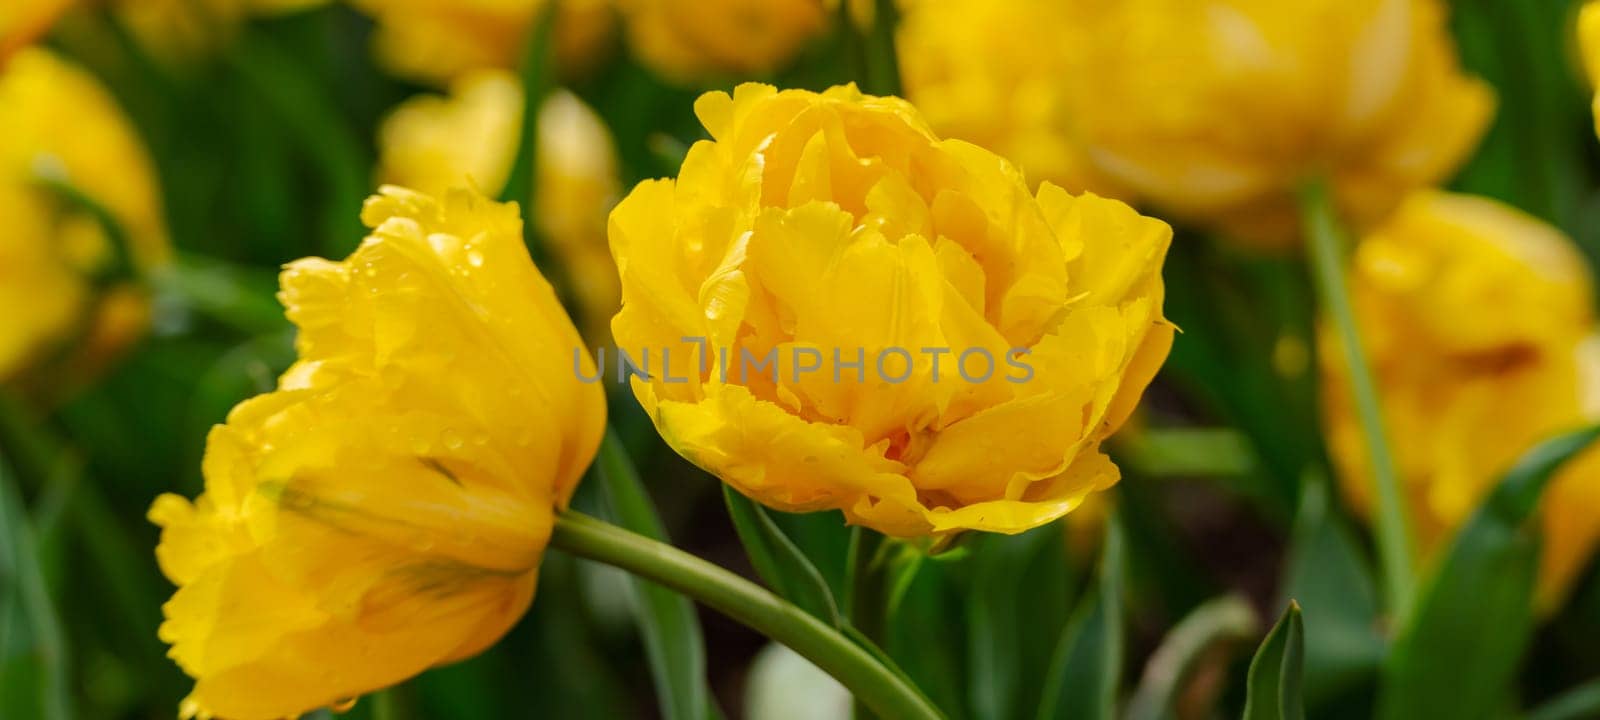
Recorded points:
343,706
475,258
452,440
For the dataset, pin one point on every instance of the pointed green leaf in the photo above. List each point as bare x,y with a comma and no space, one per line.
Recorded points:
671,629
1273,688
1017,604
1457,656
1223,621
1083,678
1329,577
779,561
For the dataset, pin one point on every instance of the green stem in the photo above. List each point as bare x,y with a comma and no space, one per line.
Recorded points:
522,183
1326,247
872,49
890,696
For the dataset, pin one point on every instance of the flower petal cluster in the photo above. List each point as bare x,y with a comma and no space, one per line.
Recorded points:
839,229
437,40
1479,324
67,154
690,40
433,142
1217,110
384,510
997,73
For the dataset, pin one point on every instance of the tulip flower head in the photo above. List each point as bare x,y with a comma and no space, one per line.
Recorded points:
23,20
83,217
945,350
437,40
1589,44
998,73
384,510
1479,323
432,143
689,40
1218,110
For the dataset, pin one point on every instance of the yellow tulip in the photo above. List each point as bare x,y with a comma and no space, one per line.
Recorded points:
21,21
436,40
1589,43
826,230
1479,323
998,73
576,185
179,30
1217,110
432,143
689,40
62,133
385,510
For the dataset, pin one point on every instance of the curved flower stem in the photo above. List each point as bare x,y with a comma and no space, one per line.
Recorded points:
889,696
1326,247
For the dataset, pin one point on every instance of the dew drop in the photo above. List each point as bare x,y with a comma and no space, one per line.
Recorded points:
343,706
452,440
475,258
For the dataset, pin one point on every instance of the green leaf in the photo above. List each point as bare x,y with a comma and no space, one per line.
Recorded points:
671,629
1083,677
778,561
32,598
1273,687
923,609
1457,655
1017,602
1222,621
1331,580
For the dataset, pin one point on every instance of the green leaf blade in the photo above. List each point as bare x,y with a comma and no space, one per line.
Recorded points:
1083,677
1458,653
673,640
1273,689
779,561
1329,577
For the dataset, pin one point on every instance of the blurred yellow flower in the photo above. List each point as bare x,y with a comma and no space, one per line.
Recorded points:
436,40
177,30
576,186
997,73
1218,109
432,142
21,21
692,40
835,233
1479,323
1589,44
66,154
385,510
